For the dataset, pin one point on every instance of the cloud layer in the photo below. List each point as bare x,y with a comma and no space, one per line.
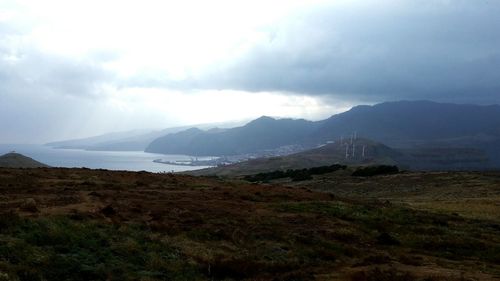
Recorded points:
69,70
376,51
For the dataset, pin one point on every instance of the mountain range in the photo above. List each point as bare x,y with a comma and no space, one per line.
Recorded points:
260,134
134,140
428,134
410,125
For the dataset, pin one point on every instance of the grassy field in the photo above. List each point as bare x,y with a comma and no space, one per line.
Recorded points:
470,194
81,224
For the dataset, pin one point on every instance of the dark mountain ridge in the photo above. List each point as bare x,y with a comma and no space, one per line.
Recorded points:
260,134
445,129
407,122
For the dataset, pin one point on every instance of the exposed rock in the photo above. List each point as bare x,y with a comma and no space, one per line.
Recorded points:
29,205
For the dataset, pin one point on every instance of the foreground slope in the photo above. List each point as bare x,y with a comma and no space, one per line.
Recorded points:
16,160
81,224
470,194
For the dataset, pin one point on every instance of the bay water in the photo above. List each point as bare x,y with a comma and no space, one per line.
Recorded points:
110,160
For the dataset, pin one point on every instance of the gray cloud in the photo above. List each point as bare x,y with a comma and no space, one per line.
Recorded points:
43,95
369,52
438,50
54,74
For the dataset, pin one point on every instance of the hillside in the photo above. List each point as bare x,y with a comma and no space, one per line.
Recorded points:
82,224
446,159
374,153
135,140
258,135
405,125
360,153
16,160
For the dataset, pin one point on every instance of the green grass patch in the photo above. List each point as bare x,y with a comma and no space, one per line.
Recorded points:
436,234
57,248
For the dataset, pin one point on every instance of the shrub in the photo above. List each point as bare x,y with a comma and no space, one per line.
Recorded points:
295,175
375,170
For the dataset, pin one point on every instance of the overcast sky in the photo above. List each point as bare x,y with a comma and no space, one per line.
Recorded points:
79,68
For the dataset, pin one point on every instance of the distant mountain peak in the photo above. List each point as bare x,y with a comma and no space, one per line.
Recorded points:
265,117
267,120
193,130
262,120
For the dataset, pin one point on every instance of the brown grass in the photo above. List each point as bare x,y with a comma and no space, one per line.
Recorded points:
235,230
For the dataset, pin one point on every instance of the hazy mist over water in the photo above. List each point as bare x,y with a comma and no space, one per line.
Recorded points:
111,160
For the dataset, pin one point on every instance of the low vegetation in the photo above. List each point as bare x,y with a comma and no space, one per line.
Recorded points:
102,225
375,170
295,175
61,248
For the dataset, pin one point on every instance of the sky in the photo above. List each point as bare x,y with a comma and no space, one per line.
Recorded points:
72,69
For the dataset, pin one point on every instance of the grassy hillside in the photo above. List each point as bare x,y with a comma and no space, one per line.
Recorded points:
81,224
360,152
470,194
374,153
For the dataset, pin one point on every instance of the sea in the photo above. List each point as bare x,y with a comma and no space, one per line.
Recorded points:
110,160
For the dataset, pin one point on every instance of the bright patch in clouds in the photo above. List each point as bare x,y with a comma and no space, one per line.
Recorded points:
218,106
79,68
175,38
118,59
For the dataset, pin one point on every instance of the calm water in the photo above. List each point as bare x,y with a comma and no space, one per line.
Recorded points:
111,160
